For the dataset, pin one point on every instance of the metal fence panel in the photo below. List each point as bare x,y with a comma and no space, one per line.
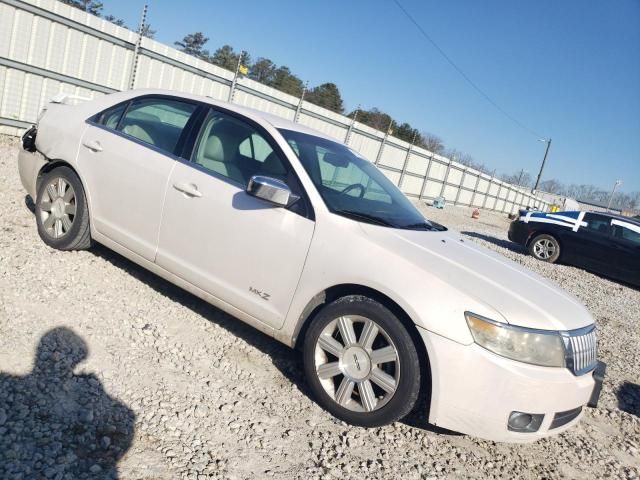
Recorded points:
393,176
417,164
464,197
450,193
412,185
432,189
393,157
470,180
367,147
336,131
455,176
479,200
438,170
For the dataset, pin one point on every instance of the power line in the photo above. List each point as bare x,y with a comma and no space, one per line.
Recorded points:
464,75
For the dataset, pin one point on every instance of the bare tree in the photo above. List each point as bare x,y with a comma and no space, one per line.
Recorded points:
551,186
634,200
432,142
520,178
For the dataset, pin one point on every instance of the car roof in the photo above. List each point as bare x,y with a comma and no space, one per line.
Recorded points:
274,120
632,220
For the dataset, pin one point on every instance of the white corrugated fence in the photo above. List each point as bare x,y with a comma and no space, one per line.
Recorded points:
47,47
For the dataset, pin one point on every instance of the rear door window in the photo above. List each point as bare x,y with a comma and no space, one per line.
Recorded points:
110,118
597,223
156,121
624,232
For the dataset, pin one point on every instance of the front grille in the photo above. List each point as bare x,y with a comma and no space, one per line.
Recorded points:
581,350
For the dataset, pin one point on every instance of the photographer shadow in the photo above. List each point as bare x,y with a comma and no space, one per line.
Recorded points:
58,424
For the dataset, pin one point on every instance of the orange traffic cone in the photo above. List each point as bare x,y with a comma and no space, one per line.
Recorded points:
475,214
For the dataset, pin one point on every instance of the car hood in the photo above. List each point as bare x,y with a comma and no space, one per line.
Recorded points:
520,296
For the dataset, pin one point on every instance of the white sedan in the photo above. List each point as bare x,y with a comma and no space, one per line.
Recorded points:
299,236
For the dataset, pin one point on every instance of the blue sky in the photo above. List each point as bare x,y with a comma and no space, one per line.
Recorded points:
569,70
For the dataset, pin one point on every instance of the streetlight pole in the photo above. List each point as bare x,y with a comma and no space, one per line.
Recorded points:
615,185
546,152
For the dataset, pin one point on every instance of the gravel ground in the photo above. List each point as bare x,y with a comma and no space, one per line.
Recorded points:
107,370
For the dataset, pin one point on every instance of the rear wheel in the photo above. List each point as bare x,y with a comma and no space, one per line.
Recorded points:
545,247
61,211
361,362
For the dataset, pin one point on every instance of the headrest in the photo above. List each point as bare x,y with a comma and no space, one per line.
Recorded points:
213,149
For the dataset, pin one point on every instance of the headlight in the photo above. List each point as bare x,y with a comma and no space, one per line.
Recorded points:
538,347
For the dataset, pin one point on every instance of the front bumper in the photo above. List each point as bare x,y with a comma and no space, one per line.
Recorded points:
474,391
29,165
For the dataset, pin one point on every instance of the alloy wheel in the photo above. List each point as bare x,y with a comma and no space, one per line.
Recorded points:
357,363
544,249
58,207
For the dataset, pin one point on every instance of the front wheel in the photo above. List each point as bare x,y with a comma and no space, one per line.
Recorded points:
61,211
361,363
545,247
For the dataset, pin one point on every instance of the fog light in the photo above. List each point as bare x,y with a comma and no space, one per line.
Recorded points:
525,422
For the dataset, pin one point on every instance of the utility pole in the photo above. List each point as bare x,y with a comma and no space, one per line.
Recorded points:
546,152
406,159
232,90
615,185
136,50
296,117
384,140
522,172
351,125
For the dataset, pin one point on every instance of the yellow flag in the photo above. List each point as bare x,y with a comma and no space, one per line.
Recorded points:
243,69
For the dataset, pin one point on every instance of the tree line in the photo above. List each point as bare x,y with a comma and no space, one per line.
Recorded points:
94,7
593,194
583,192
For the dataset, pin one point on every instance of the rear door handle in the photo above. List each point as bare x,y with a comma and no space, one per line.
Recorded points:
93,145
188,189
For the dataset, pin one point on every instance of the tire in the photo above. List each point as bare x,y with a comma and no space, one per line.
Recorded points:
392,372
545,248
62,215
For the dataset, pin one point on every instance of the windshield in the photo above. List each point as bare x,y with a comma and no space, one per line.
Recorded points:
352,186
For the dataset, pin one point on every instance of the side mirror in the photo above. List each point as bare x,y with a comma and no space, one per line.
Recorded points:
271,190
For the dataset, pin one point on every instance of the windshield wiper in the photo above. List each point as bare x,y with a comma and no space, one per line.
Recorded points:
424,225
364,216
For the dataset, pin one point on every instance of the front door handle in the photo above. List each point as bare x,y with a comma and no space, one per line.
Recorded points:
188,189
92,145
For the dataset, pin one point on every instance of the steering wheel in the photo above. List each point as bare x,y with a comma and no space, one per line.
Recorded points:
353,186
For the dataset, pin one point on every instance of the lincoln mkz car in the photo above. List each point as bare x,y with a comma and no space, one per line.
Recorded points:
301,237
600,242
